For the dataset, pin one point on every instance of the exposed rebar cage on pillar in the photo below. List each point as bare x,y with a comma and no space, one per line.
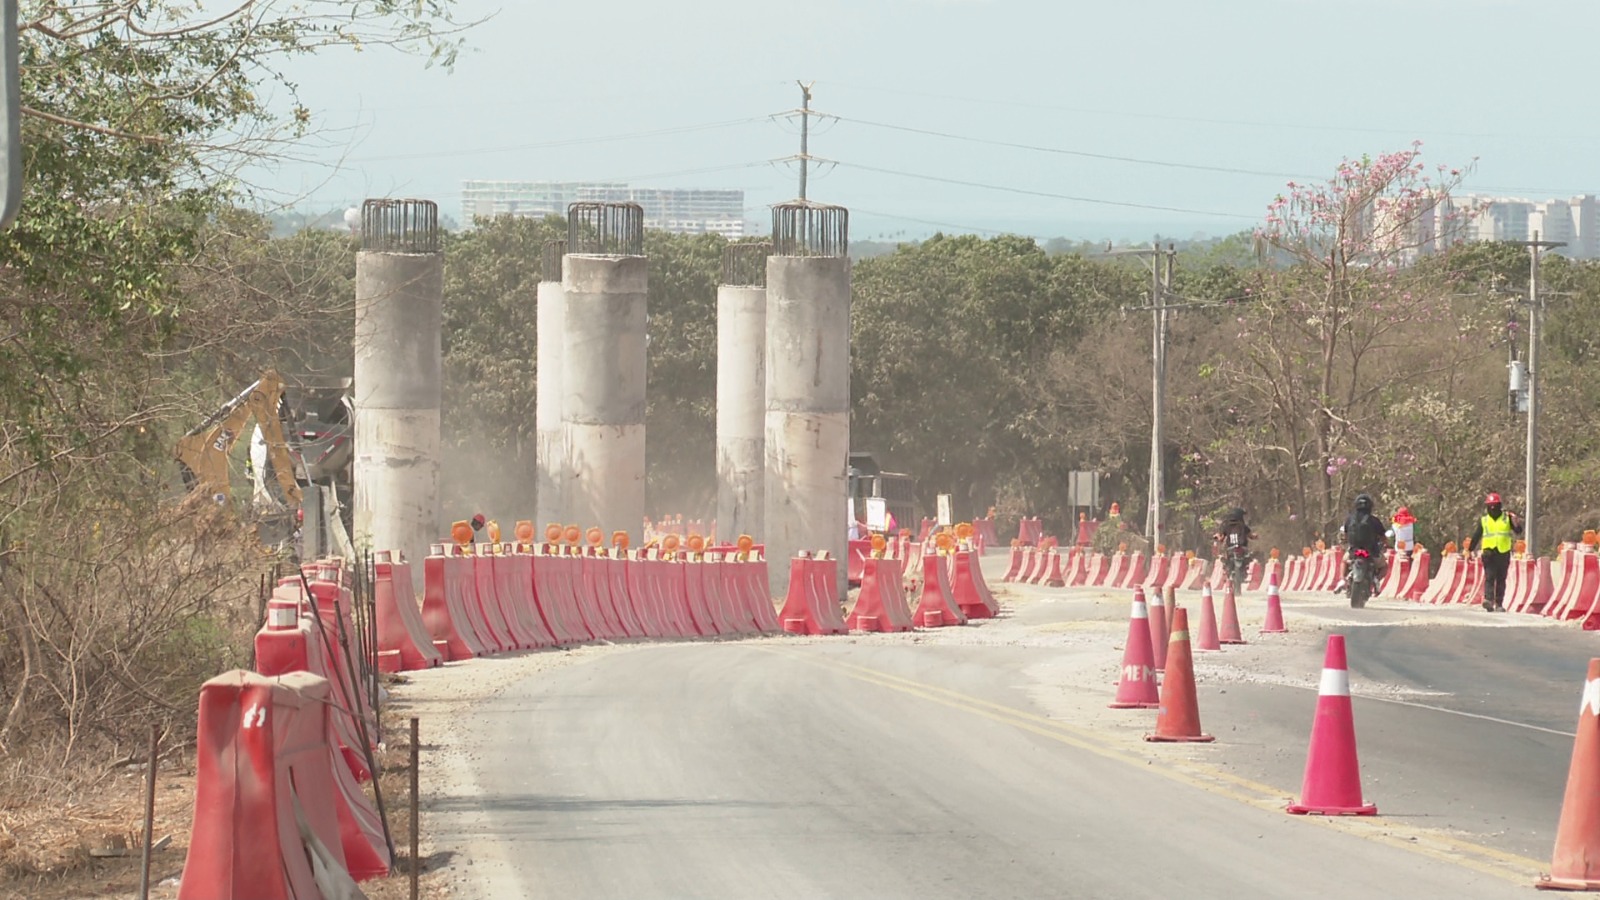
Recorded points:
550,262
802,228
400,226
745,265
605,229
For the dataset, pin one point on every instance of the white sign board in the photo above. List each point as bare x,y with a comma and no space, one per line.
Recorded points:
877,514
945,517
850,511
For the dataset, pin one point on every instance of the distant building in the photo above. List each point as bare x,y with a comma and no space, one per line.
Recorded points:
1575,220
678,210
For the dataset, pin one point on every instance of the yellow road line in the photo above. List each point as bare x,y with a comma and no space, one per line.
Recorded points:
1428,842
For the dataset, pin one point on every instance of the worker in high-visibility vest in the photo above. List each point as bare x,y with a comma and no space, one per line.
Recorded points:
1493,537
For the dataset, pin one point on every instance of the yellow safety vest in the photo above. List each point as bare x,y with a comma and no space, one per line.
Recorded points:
1496,534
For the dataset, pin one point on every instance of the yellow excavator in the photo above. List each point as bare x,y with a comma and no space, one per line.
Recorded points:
203,451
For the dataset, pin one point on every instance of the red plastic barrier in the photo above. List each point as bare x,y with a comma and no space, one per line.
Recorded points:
857,551
760,592
1561,575
1057,578
1536,587
1117,570
722,589
1134,574
669,585
1582,588
461,592
399,620
261,764
1416,580
1445,582
810,606
295,643
701,610
967,588
1257,574
516,570
936,606
1195,578
547,598
1471,583
1395,578
446,620
613,572
881,605
481,594
1099,570
489,571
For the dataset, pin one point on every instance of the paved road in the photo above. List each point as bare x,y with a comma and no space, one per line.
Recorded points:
984,764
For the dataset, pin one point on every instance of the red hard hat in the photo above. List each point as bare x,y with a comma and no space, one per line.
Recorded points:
1492,500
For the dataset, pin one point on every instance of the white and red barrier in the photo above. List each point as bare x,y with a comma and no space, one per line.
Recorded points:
812,605
444,613
967,588
263,775
399,620
936,606
881,606
1580,588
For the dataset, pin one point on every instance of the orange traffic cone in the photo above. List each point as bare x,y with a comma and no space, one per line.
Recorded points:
1137,687
1575,865
1178,718
1158,628
1332,785
1230,616
1207,640
1274,621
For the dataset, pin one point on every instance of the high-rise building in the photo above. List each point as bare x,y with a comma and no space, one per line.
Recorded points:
679,210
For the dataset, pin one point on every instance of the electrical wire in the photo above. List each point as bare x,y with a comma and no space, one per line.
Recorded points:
568,142
1065,152
1047,194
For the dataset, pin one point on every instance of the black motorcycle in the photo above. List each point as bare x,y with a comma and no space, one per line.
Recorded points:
1236,561
1358,580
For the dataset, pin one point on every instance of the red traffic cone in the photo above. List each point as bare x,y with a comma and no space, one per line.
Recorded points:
1178,718
1274,621
1158,628
1575,865
1332,785
1230,616
1207,639
1137,687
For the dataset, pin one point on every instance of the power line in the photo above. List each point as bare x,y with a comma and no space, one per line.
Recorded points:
1047,194
1065,152
996,101
568,142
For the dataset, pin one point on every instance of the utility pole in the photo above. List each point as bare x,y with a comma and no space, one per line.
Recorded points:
1535,322
1161,272
805,132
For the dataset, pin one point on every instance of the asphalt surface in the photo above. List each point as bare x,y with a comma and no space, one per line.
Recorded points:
982,762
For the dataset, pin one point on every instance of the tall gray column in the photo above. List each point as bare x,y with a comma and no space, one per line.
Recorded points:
398,363
606,281
550,443
742,391
808,388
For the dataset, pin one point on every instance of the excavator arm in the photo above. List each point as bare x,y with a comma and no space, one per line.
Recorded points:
203,451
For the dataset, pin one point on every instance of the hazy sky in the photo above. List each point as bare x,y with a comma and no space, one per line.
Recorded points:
1279,88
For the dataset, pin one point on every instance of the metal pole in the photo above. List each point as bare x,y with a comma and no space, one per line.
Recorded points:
1535,319
1158,391
149,815
416,863
805,133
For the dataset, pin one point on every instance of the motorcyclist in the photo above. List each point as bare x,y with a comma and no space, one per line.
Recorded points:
1364,530
1233,530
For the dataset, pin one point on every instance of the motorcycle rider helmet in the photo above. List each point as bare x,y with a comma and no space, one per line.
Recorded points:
1364,503
1234,515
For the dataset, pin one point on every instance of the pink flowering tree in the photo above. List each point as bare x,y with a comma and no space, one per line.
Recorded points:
1339,296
